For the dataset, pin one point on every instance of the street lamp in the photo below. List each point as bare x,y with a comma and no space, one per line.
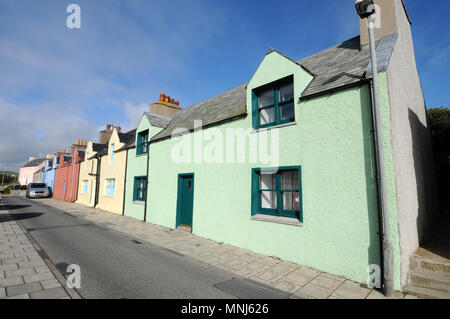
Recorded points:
366,9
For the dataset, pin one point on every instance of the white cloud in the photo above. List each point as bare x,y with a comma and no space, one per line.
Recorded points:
37,131
134,114
58,85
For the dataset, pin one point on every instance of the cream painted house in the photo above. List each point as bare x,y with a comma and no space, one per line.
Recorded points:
113,161
87,184
90,169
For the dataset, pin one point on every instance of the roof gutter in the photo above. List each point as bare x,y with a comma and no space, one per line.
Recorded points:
336,89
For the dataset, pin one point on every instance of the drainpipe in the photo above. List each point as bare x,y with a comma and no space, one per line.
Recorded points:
387,242
97,180
73,173
146,181
125,185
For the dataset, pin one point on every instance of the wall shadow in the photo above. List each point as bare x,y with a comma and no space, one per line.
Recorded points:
432,228
424,172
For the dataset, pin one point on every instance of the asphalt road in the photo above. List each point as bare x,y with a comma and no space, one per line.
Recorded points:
114,267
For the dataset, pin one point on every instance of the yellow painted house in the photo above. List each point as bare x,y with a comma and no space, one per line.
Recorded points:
88,175
89,169
113,161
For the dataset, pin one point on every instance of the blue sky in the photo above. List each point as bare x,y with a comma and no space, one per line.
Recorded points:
59,84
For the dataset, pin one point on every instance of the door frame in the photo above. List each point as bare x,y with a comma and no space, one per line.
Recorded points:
179,198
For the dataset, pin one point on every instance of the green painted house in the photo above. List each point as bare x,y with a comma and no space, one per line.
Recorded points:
138,158
285,164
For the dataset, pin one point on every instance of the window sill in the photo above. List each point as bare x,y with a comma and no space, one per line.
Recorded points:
272,127
141,155
277,220
138,202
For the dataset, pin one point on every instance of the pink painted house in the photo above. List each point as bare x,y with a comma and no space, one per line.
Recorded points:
29,168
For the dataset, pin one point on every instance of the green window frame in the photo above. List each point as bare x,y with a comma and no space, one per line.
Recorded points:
273,104
142,143
277,192
140,188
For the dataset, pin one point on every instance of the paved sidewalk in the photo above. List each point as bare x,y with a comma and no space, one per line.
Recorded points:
298,281
23,273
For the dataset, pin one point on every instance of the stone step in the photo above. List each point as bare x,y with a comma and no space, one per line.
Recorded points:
185,228
428,293
429,265
430,280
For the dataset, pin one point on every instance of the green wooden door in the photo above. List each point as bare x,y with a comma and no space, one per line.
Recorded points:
186,200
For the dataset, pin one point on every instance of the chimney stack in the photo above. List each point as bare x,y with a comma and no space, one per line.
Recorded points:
166,106
386,20
31,158
105,135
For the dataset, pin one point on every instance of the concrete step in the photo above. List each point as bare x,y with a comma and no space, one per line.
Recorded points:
430,265
185,228
428,293
430,280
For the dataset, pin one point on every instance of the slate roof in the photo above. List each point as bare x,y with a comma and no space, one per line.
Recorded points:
67,158
126,137
82,154
345,64
222,107
158,120
35,162
102,152
98,147
123,138
334,68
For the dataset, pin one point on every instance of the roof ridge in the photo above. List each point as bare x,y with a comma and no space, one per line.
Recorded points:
328,48
127,133
157,115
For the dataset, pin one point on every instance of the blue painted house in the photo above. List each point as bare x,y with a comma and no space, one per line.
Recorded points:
51,165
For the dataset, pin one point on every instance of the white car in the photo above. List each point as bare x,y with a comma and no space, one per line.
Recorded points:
37,190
